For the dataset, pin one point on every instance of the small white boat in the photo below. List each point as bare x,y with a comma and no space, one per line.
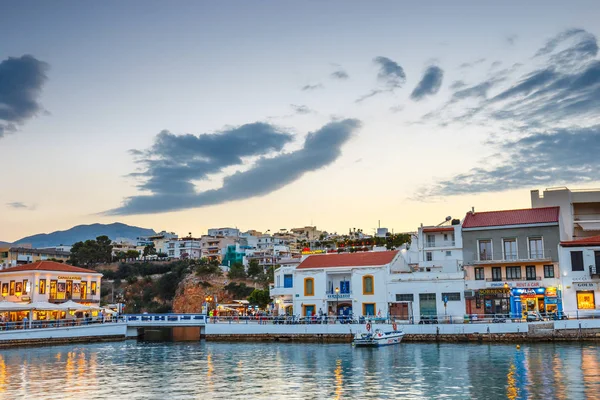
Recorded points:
377,338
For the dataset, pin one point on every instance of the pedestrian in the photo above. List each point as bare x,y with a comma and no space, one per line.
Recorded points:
25,320
101,317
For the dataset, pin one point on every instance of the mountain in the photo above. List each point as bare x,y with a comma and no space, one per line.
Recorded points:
84,232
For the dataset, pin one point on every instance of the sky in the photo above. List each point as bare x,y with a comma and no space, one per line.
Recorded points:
274,115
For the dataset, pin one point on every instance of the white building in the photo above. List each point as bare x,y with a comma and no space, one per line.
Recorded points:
580,275
579,210
440,248
226,232
343,284
282,290
184,248
50,281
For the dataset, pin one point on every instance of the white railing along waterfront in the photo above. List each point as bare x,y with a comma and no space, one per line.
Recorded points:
58,323
166,318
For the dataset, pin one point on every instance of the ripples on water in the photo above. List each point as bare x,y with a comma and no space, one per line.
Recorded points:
135,370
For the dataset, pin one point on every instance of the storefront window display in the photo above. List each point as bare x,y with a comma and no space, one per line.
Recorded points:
586,300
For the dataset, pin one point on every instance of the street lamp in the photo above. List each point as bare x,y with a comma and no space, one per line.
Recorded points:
337,302
208,300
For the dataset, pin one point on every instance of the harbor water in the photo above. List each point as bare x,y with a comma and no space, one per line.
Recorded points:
137,370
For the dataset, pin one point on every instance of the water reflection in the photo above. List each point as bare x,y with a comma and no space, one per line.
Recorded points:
299,371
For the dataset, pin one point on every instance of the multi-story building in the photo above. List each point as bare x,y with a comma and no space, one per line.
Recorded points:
213,247
440,247
161,241
580,275
184,248
307,233
235,253
12,256
579,210
51,282
344,283
511,261
225,232
282,290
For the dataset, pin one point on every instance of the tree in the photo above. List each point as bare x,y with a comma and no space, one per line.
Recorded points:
149,250
237,271
132,254
208,267
104,249
259,297
254,269
92,251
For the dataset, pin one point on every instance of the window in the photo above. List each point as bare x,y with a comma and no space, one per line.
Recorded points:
513,273
288,281
430,240
585,300
405,297
454,296
368,285
12,288
577,261
496,274
53,289
485,250
309,287
445,236
25,288
530,273
84,290
510,249
93,289
42,286
429,256
369,309
479,274
536,249
448,253
278,281
548,271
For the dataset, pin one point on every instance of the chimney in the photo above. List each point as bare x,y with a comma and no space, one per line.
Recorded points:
473,210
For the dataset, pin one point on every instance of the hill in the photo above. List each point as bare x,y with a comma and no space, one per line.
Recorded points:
84,232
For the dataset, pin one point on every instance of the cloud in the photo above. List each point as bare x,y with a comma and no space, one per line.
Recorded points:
340,74
471,64
174,160
301,109
396,109
495,64
512,39
391,75
312,87
18,205
457,85
550,115
266,175
21,82
430,84
540,159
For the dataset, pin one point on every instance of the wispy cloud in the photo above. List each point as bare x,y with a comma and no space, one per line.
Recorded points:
512,39
312,87
471,64
21,82
430,84
266,175
391,75
301,109
340,74
18,205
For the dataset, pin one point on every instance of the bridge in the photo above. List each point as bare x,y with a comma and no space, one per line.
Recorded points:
164,320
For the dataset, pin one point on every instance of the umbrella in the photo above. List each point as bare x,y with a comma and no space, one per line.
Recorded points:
44,305
71,305
10,306
109,311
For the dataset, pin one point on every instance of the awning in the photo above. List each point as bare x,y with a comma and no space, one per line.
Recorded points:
10,306
589,225
71,305
44,305
242,301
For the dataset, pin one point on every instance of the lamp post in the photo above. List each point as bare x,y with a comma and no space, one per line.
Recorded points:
337,302
208,300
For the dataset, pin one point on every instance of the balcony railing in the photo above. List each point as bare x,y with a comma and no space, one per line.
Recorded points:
505,279
443,243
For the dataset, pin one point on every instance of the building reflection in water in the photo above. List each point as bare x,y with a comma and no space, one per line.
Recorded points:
591,372
339,380
2,374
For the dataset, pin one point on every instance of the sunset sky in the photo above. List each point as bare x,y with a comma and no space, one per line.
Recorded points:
267,115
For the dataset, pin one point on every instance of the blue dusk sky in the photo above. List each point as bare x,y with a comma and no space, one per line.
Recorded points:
268,114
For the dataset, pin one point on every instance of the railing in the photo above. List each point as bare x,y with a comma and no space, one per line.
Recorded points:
504,278
57,323
171,318
443,243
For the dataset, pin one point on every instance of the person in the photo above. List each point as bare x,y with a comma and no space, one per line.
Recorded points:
25,320
101,317
210,315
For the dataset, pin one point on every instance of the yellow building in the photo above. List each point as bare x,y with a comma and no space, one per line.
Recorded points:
12,256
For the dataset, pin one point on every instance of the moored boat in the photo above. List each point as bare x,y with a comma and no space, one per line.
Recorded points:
377,338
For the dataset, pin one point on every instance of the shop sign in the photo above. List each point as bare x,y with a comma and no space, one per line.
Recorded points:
25,298
585,286
528,292
532,284
70,278
514,284
493,291
498,284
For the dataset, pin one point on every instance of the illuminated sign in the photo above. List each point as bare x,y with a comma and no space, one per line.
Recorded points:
585,286
305,252
74,278
528,292
488,292
514,284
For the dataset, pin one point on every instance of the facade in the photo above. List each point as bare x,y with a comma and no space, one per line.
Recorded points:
161,241
307,233
184,248
234,253
213,247
440,248
226,232
12,256
511,261
360,280
579,210
580,274
282,290
50,281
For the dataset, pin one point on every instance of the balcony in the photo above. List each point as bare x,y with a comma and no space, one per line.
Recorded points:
335,296
281,290
441,243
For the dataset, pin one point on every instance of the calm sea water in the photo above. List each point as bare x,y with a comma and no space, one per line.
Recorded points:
135,370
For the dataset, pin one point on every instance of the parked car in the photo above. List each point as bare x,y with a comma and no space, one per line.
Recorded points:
499,318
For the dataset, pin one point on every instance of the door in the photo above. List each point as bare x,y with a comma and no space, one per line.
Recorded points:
427,304
368,309
53,290
597,259
69,289
399,311
83,290
309,310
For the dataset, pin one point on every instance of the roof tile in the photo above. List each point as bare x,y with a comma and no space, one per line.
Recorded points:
588,241
48,266
373,258
511,217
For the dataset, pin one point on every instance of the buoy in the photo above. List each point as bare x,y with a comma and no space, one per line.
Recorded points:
518,346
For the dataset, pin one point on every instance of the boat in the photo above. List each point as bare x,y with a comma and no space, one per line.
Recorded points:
378,338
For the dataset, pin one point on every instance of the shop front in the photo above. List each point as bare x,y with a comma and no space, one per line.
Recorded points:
490,301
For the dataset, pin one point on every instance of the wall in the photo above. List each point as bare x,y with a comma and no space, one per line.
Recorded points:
550,235
68,334
572,279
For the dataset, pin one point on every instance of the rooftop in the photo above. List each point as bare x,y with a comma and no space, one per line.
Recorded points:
48,266
511,217
365,259
40,251
438,229
588,241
